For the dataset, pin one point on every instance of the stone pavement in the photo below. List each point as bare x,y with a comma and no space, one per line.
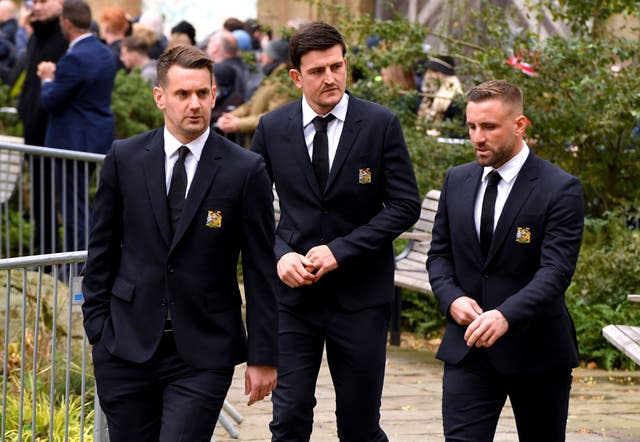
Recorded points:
605,406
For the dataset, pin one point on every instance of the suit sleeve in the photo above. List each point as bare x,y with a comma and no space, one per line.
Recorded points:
401,199
439,264
104,249
558,256
57,94
259,268
258,146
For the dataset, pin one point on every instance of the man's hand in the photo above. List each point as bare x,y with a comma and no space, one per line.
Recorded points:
46,70
464,310
259,382
228,123
486,329
295,270
322,260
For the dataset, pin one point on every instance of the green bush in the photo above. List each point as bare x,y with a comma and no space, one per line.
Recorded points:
608,269
133,106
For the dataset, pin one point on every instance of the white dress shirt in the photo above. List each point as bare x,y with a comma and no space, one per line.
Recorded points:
334,128
171,146
508,172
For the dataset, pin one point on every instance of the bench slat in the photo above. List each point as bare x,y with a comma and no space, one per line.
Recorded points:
625,338
411,272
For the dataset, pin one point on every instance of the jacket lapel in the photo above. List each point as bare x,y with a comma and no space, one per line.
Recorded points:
295,130
467,200
154,170
206,171
522,188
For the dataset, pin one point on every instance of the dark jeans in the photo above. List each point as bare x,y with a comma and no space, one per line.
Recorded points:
356,354
474,394
163,399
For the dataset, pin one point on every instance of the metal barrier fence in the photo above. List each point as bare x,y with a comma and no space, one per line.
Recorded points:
45,195
46,390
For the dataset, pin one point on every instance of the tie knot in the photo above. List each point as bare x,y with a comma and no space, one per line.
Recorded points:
182,152
320,123
493,178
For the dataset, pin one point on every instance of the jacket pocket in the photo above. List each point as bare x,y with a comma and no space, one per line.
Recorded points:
123,289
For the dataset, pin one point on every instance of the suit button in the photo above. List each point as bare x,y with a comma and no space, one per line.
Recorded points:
163,303
170,268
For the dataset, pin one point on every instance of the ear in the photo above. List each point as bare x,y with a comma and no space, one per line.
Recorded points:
521,124
213,95
158,96
294,74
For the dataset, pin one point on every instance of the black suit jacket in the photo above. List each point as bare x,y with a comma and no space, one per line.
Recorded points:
135,269
370,198
529,266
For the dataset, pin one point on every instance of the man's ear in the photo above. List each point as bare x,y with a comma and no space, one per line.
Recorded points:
158,97
294,74
521,123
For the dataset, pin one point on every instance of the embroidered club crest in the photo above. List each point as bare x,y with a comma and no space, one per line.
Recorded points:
523,235
364,176
214,219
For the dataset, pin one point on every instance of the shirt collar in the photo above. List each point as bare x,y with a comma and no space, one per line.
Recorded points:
339,110
75,41
171,144
509,170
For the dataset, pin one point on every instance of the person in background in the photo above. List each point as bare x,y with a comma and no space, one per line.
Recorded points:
134,54
114,26
505,243
8,21
223,49
76,92
46,43
154,21
175,209
346,188
439,88
270,95
227,98
8,29
183,33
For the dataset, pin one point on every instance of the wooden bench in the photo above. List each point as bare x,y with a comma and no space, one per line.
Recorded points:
625,338
411,271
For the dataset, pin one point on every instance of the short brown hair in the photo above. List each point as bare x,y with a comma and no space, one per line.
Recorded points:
184,56
315,36
497,89
78,13
135,43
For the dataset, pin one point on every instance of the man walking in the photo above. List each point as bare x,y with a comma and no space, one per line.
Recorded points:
175,208
347,189
77,94
505,243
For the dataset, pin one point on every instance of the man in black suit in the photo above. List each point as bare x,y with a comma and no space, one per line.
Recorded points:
505,243
344,197
162,302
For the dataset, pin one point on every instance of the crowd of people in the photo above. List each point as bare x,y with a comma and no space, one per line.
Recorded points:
178,205
57,90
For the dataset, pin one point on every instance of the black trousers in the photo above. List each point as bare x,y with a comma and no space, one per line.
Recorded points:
163,399
356,354
474,394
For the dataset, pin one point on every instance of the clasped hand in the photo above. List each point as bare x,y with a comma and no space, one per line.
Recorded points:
296,270
483,328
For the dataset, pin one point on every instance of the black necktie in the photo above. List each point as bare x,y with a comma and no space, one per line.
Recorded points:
178,187
320,158
488,210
